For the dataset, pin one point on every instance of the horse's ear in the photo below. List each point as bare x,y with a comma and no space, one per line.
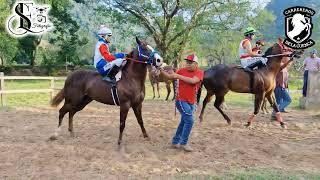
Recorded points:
138,41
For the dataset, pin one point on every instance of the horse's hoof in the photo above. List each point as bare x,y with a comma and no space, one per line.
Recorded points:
146,137
53,138
283,125
72,134
248,124
229,123
121,148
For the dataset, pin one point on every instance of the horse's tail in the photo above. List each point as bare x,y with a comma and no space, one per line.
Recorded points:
199,93
58,98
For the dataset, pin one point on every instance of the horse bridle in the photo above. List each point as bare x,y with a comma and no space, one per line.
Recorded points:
142,54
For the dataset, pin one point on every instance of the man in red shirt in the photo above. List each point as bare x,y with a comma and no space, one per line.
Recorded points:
190,78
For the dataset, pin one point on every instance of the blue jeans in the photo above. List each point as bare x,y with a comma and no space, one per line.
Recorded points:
305,83
184,129
282,97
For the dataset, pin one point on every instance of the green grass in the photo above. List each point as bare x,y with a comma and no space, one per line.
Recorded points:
42,99
30,99
252,174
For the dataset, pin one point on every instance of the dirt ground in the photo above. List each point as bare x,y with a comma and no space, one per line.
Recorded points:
26,153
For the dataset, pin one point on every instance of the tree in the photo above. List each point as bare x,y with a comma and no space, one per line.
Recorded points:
221,46
8,45
65,35
170,23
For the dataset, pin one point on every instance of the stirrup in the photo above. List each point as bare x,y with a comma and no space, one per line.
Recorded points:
247,69
109,79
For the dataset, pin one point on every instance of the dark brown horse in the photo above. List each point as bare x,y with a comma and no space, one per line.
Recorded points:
156,77
220,79
83,86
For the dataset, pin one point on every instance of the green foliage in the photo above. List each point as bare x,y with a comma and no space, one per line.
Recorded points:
8,44
171,23
50,62
65,34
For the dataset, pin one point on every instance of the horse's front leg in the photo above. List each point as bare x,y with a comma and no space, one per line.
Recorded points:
273,102
123,117
259,96
137,109
158,89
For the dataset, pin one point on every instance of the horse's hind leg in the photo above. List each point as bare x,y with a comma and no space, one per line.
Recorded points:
86,100
259,96
62,112
217,103
264,106
137,109
168,90
206,100
158,89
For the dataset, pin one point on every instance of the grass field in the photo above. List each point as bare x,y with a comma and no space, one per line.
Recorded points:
42,99
256,174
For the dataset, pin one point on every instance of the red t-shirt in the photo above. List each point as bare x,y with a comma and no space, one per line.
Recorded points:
187,92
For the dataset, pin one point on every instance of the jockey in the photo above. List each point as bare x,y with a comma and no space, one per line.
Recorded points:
248,58
107,65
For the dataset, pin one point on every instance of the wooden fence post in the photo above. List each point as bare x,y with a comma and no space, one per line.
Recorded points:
52,88
2,87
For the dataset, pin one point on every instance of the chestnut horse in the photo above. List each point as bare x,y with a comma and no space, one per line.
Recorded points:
83,86
221,78
156,77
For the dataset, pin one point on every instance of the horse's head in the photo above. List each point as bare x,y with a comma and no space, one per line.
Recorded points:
147,54
279,51
298,19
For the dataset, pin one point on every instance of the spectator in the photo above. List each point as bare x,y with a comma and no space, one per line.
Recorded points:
311,63
190,78
281,91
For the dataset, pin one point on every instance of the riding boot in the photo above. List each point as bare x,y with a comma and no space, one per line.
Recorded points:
110,77
255,64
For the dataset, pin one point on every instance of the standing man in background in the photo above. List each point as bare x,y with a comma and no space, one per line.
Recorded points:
311,63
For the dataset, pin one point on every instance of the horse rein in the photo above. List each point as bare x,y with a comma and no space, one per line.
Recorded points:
134,60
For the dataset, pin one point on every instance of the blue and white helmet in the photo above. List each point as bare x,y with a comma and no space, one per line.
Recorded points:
104,31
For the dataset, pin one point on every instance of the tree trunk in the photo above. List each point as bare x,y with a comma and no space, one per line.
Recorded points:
34,52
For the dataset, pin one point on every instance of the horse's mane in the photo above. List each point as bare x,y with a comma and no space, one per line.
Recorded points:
268,51
130,55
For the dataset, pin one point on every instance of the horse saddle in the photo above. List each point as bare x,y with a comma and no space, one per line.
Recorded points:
248,70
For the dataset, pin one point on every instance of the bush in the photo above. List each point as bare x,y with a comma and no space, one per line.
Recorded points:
50,63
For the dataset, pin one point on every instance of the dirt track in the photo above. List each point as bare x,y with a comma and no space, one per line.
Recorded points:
25,152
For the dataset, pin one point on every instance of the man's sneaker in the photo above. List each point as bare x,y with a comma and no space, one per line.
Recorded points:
175,146
186,148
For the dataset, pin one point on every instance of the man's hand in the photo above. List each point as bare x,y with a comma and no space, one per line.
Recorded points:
170,76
